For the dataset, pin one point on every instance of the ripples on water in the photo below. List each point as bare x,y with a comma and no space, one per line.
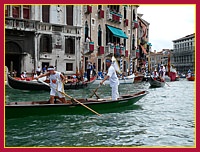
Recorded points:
164,117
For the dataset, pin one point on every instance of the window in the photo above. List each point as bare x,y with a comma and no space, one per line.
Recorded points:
69,66
16,11
124,42
99,35
99,65
69,14
99,7
86,30
134,16
124,12
70,46
114,8
93,21
133,42
26,11
46,43
45,13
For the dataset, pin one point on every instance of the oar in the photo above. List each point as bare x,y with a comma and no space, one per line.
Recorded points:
167,84
94,91
70,97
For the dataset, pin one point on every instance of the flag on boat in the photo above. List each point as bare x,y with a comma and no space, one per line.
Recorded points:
116,65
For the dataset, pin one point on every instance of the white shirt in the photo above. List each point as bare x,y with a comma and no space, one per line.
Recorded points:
56,81
112,76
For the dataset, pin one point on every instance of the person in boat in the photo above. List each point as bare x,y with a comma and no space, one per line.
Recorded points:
89,67
114,81
22,76
155,74
162,71
56,82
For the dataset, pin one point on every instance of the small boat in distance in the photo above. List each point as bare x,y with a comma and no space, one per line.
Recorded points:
41,108
155,82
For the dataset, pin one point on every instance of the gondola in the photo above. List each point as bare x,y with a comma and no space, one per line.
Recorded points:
41,108
155,83
35,85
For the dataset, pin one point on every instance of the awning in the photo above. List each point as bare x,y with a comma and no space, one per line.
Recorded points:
117,32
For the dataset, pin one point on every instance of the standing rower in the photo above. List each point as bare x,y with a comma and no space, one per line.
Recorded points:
56,83
112,76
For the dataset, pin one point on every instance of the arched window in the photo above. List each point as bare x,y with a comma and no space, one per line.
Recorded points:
133,42
99,35
46,43
86,30
134,17
70,46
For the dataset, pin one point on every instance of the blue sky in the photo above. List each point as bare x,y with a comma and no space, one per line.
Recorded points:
167,23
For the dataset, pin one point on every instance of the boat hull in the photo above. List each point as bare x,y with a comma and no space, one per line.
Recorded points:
192,78
34,85
155,83
21,109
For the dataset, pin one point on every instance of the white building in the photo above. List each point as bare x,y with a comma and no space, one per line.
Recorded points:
39,35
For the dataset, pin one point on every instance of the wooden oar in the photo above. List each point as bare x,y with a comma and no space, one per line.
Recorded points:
94,92
167,84
70,97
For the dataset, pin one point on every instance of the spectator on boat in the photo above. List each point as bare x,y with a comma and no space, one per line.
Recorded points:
89,67
38,70
114,81
56,83
94,69
44,69
162,71
22,76
155,74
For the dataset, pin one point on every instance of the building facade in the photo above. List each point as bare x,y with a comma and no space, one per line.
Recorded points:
39,35
184,53
65,36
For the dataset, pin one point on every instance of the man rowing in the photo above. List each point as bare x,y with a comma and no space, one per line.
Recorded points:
56,82
114,81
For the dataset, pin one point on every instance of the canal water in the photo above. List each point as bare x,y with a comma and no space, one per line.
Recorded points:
164,117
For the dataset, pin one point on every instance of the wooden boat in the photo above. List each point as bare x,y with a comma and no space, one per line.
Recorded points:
39,108
35,85
192,78
138,78
155,83
126,80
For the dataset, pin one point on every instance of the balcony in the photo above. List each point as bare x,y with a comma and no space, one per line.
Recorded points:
126,53
122,51
88,47
109,49
125,22
100,13
113,16
100,50
20,24
87,9
135,24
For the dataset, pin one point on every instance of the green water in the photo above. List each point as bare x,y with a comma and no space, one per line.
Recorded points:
164,117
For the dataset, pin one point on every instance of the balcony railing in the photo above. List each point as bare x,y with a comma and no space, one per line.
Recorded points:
113,16
135,24
101,50
100,13
88,47
125,22
87,9
20,24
